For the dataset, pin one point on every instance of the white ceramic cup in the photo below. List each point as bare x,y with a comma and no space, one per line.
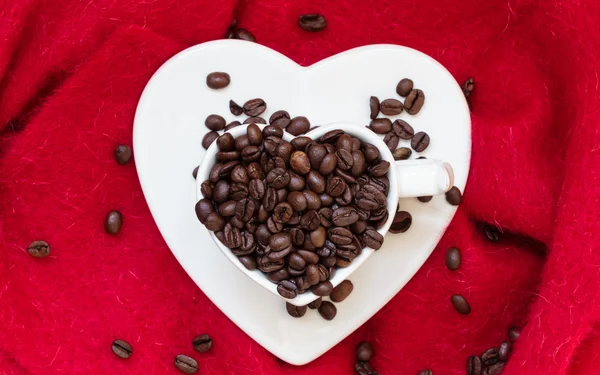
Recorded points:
408,178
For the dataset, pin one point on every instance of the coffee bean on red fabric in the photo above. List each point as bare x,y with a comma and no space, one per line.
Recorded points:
39,249
287,289
215,122
255,120
235,108
460,304
254,107
453,258
468,86
209,138
403,129
426,372
295,311
474,365
490,357
425,199
341,292
243,34
298,125
391,107
312,22
202,343
414,101
404,87
492,233
504,351
364,351
381,125
113,222
454,196
218,80
402,222
420,142
514,333
122,154
122,349
364,368
327,310
185,364
374,107
495,369
401,153
391,140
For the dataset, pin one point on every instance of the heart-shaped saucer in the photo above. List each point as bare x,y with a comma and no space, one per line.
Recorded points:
168,130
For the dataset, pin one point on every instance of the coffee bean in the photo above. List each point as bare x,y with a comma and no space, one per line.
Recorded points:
318,236
226,142
364,350
300,143
232,125
454,196
474,365
414,101
195,172
341,292
328,164
254,107
287,289
249,262
391,107
39,249
420,142
460,304
123,153
490,357
514,333
492,233
298,125
278,178
282,212
327,310
344,142
374,107
221,191
214,222
185,364
312,22
315,181
372,154
344,216
315,304
299,162
359,163
404,87
370,198
364,368
504,351
494,369
373,239
468,86
379,169
235,108
122,349
344,159
322,289
255,120
242,34
209,138
403,129
381,125
391,140
401,153
426,372
218,80
425,199
295,311
227,209
453,258
254,134
113,222
202,343
215,122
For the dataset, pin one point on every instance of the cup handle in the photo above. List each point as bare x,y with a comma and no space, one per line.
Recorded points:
423,177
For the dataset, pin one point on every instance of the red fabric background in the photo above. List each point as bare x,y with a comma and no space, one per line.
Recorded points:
71,73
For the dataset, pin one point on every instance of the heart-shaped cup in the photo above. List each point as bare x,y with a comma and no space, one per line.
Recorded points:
408,178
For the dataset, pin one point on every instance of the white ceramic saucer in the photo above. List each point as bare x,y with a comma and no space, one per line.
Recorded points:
168,130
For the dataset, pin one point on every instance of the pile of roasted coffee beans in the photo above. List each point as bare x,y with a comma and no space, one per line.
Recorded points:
492,361
364,353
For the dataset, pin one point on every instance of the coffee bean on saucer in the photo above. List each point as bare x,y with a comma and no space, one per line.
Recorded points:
454,196
460,304
218,80
425,199
391,140
381,125
242,34
298,125
364,351
235,108
474,365
492,233
254,107
185,364
401,153
122,349
39,249
514,333
315,304
122,154
391,107
342,291
295,311
403,129
202,343
374,107
209,138
254,120
232,125
113,222
468,86
312,22
504,351
414,101
426,372
404,87
215,122
420,142
402,221
452,258
327,310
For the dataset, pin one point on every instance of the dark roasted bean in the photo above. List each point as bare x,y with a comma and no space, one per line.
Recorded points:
122,349
295,311
460,304
202,343
381,125
374,107
327,310
414,101
312,22
218,80
185,364
391,107
235,108
404,87
454,196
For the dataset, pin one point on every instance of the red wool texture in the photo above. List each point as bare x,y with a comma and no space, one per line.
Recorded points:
71,73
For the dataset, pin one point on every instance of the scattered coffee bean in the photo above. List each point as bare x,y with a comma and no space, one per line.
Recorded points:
254,107
426,372
39,249
494,369
460,304
322,289
295,311
242,34
403,129
490,357
454,196
381,125
235,108
312,22
218,80
364,368
425,199
122,154
404,87
113,222
209,138
185,364
474,365
468,87
420,142
341,292
364,351
327,310
232,125
215,122
492,233
402,222
391,107
401,153
453,258
255,120
298,125
391,140
514,333
414,101
202,343
374,107
504,351
122,349
315,304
